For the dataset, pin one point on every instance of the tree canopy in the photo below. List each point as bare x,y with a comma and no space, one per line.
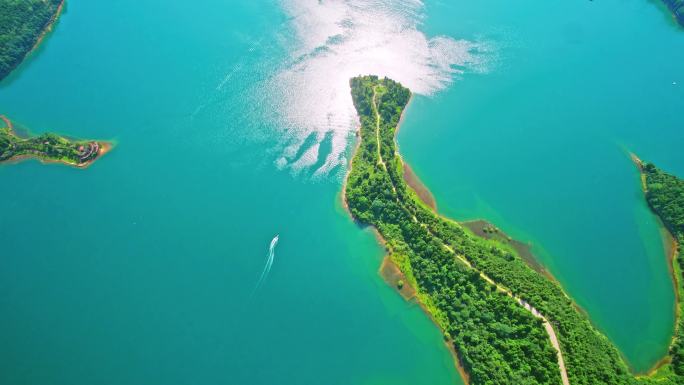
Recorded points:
665,196
496,339
21,24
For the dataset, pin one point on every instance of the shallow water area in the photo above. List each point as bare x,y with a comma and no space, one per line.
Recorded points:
234,123
143,268
539,146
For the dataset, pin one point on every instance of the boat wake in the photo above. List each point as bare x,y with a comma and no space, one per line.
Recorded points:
269,263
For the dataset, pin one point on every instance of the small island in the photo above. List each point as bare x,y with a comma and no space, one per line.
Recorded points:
665,196
48,148
505,321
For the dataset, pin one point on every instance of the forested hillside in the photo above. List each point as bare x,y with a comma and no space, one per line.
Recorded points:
479,291
498,341
22,22
665,196
47,147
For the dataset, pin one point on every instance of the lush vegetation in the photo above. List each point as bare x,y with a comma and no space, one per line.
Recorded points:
21,24
497,340
665,196
47,147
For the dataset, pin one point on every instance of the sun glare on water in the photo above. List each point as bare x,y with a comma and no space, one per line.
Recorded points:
336,40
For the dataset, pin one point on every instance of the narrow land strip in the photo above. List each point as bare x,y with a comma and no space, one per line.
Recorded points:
547,325
508,323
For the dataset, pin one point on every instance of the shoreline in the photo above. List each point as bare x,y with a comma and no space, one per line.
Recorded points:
388,268
414,182
426,196
8,123
103,148
391,274
408,226
409,176
39,38
671,247
477,226
46,30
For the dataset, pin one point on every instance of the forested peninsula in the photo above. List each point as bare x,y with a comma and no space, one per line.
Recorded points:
22,24
48,148
508,324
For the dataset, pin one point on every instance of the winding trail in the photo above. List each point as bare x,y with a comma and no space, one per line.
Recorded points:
547,325
377,127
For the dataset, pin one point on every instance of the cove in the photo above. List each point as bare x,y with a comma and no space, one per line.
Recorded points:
538,146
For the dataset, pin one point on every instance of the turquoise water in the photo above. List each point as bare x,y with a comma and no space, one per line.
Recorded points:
140,268
538,145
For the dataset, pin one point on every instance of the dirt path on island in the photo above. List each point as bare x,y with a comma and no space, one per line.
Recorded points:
377,126
547,325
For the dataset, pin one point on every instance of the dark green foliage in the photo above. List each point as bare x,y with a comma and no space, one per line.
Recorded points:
498,341
21,24
49,147
665,196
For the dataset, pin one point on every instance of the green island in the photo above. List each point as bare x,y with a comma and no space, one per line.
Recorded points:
677,8
48,148
506,322
23,24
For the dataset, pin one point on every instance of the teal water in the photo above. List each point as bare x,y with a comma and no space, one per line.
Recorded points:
538,145
140,268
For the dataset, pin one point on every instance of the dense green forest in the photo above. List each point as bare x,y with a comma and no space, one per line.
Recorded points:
47,147
497,340
677,8
665,196
21,24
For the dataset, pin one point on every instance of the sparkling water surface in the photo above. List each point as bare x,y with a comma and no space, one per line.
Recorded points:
233,123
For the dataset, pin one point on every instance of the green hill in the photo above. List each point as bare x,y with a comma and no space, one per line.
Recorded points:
22,23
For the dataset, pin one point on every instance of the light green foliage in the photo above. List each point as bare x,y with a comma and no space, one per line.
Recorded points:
677,8
48,147
498,341
665,196
21,23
